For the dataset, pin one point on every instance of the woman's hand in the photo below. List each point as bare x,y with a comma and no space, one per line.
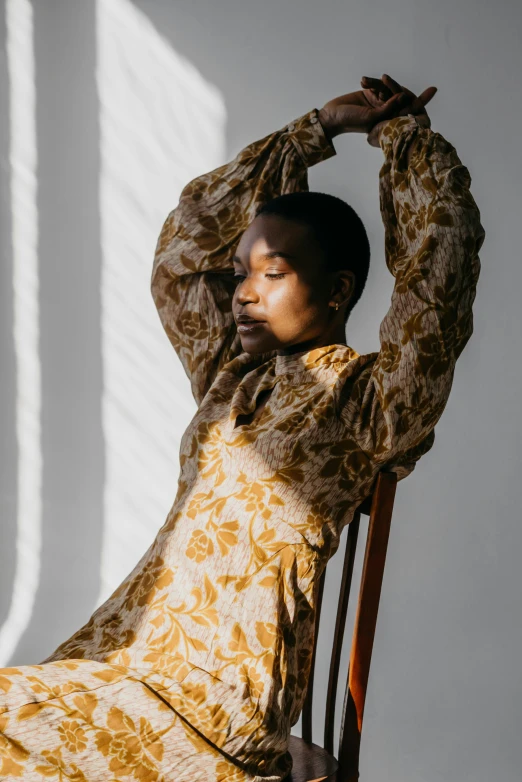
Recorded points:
383,89
359,112
366,110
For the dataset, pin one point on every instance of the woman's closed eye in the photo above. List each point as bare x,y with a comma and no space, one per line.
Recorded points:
270,276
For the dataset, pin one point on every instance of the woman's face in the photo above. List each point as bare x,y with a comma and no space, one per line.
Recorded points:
280,281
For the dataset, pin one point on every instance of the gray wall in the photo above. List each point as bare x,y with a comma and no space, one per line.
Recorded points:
445,693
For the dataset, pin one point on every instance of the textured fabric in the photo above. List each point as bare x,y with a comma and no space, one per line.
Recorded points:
196,667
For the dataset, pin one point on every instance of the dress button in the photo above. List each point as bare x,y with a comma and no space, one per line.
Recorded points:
313,119
291,127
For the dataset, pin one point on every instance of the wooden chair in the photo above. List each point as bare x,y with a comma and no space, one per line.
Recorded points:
312,763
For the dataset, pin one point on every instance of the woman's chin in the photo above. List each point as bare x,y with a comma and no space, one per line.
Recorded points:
253,345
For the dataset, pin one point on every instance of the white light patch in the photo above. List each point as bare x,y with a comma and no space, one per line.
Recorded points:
161,125
24,217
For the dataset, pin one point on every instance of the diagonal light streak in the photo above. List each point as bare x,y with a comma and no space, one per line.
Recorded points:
161,124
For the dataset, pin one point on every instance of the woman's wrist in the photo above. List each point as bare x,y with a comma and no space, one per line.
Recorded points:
330,130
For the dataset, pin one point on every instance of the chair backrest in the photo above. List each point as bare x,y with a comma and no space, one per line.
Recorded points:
378,506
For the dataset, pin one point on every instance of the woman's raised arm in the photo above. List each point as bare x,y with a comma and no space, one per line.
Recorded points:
433,235
192,277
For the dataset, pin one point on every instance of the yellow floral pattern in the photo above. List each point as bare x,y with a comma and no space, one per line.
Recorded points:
196,667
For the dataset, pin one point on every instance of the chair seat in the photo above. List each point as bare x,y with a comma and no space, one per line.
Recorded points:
311,763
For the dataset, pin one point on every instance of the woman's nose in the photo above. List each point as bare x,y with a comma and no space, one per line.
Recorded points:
245,291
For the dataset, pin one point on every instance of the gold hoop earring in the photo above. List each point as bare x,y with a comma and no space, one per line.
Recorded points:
336,306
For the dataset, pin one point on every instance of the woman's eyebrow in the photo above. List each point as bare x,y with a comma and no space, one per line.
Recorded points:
268,256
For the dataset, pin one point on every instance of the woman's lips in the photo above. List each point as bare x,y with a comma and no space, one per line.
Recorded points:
247,326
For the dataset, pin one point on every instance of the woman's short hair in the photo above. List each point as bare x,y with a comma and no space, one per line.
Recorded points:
336,226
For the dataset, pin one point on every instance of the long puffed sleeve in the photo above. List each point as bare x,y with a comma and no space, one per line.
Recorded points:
433,234
192,277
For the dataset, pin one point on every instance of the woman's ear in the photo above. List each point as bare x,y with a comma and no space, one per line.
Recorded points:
346,284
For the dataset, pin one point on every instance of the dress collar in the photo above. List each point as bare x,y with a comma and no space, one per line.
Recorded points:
309,359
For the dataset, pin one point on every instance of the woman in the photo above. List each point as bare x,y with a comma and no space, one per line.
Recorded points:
196,667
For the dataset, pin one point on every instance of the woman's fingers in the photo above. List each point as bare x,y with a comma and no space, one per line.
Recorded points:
420,101
390,106
369,81
393,85
387,86
377,87
418,105
380,95
424,98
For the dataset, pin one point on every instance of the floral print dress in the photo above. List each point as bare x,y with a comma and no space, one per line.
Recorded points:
196,667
